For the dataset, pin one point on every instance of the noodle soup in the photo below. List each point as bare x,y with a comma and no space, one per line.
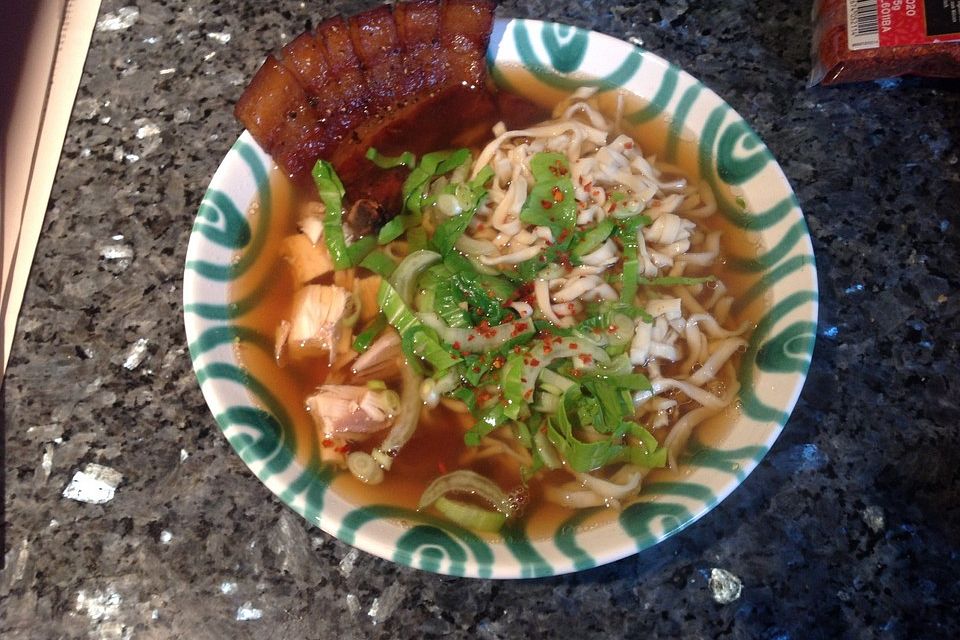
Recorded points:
669,344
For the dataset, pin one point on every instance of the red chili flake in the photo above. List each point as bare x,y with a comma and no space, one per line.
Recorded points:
613,206
456,345
441,467
498,362
476,369
557,194
588,186
543,429
516,349
586,358
576,373
595,193
528,394
485,330
327,443
628,145
558,169
470,337
574,345
546,204
518,328
570,306
612,328
483,396
563,235
534,362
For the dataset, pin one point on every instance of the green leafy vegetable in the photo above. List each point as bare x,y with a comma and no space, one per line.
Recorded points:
431,165
405,159
331,193
366,337
551,201
380,263
593,238
628,233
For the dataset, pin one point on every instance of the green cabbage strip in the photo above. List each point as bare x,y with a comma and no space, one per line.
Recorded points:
431,165
331,193
380,263
579,410
629,235
359,250
551,201
450,230
405,159
414,192
592,239
395,228
518,381
468,340
417,341
408,272
366,337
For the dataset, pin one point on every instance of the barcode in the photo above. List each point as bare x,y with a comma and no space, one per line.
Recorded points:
862,27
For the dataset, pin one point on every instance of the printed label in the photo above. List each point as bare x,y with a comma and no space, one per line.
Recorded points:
894,23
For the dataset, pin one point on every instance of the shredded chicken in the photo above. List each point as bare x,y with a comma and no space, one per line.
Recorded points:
318,314
348,409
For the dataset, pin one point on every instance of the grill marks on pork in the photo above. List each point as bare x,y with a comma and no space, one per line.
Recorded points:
410,78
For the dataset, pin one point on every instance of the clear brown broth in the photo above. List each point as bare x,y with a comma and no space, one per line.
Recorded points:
438,442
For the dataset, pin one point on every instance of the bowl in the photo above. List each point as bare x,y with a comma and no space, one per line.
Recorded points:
753,194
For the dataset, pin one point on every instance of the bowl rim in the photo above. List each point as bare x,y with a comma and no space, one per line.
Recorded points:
366,539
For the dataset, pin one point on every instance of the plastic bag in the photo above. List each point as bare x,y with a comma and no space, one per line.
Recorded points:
856,40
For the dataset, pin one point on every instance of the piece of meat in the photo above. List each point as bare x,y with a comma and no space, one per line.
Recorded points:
349,409
411,78
366,216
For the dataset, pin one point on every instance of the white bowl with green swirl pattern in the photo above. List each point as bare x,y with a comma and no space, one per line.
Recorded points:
689,125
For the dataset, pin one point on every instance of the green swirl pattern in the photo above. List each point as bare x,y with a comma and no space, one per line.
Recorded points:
731,159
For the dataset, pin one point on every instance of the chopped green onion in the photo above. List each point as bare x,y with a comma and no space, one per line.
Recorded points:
488,421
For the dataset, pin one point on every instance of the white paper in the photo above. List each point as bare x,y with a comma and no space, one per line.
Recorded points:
44,98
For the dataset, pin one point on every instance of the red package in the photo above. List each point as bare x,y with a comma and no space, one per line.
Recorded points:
857,40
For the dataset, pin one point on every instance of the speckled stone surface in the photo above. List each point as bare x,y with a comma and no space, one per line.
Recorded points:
849,528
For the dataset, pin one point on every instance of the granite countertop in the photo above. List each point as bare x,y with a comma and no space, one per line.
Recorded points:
849,528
